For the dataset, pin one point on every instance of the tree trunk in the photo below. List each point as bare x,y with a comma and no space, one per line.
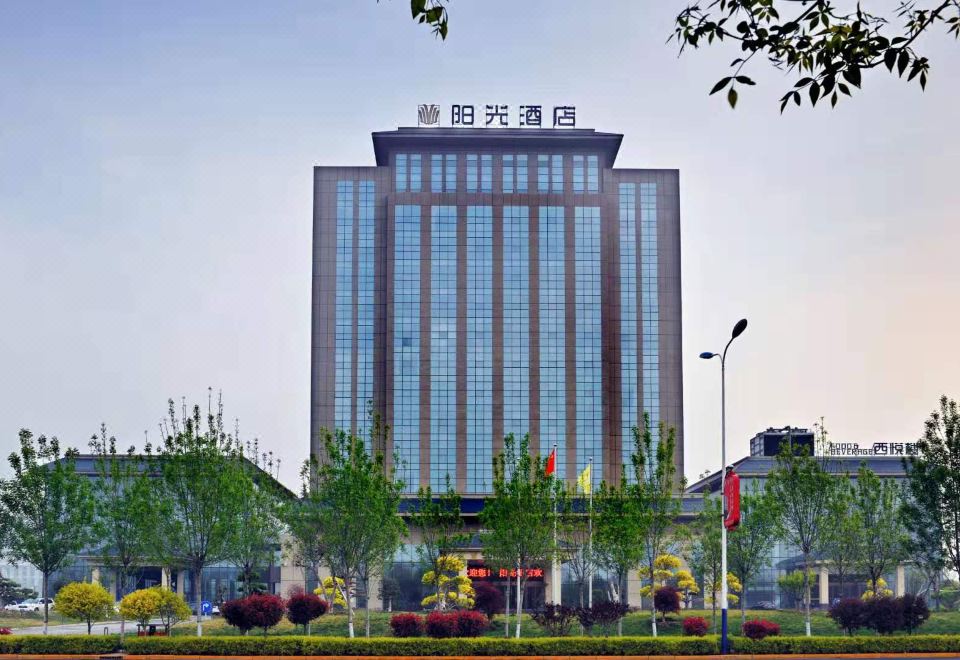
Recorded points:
713,610
506,612
806,591
519,602
46,605
366,588
198,598
743,605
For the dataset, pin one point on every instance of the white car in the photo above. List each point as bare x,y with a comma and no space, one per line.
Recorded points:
32,605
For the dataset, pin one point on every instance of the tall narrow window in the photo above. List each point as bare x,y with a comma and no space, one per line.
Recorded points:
587,297
365,277
593,174
650,302
415,173
472,173
543,173
552,307
516,320
556,175
629,343
508,173
486,173
451,174
436,173
443,345
343,378
479,349
401,172
578,174
522,173
406,344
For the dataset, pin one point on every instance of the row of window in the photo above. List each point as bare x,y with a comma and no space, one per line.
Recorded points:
585,171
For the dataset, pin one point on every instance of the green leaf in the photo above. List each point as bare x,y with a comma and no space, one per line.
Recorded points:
814,93
745,80
417,7
844,88
890,58
732,97
903,61
923,80
723,82
803,82
833,100
852,75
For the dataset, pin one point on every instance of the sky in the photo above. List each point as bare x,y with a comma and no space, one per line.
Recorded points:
155,206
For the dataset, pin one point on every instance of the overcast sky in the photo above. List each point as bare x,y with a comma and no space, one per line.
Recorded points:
155,206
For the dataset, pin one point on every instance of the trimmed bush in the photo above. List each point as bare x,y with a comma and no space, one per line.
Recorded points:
915,611
555,619
843,645
87,601
236,614
265,610
666,600
441,625
487,599
471,624
302,608
695,626
760,629
5,631
849,614
884,614
406,625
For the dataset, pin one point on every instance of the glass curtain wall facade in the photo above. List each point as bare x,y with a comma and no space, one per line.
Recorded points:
520,284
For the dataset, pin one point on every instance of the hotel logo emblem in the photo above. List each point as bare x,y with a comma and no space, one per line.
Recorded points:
428,114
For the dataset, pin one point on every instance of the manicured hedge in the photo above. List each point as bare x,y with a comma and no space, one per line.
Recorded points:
585,646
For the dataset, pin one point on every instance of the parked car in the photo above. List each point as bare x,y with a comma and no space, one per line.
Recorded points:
32,605
765,605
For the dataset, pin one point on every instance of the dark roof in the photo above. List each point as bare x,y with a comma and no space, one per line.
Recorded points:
758,467
607,144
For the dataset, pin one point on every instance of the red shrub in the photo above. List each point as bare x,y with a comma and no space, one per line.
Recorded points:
849,614
265,610
884,614
406,625
695,625
471,624
760,628
302,608
487,599
237,614
5,631
442,624
666,600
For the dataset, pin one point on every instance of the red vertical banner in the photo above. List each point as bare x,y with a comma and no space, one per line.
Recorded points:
731,495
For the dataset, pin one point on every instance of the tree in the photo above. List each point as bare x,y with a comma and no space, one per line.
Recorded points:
264,610
450,589
358,519
12,592
658,487
794,585
47,508
933,484
519,518
843,532
826,47
876,503
303,518
303,608
576,521
687,585
257,532
198,490
749,545
440,530
802,486
620,520
389,591
141,606
122,505
87,601
172,608
705,555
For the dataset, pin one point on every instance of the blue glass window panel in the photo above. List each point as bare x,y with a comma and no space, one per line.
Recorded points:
472,173
479,349
451,174
486,173
507,173
343,341
629,342
589,388
650,304
443,345
556,174
406,344
516,320
401,172
522,173
415,173
552,308
578,174
365,304
593,174
543,173
436,173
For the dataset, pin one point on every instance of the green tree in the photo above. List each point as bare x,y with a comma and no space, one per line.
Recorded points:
519,518
658,488
198,490
621,520
795,585
172,608
47,508
749,545
440,528
932,508
303,518
12,592
706,551
257,534
828,48
87,601
141,605
876,502
843,532
802,486
359,497
576,520
122,505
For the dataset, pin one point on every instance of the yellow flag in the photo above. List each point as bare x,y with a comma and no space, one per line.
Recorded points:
583,481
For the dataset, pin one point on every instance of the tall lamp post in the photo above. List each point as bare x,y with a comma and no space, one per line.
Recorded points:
737,331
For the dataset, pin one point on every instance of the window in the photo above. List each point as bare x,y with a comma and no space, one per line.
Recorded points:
589,423
472,173
550,173
578,174
629,345
443,173
365,305
586,180
443,345
406,344
479,349
516,320
553,382
593,174
407,172
515,173
343,343
649,302
486,173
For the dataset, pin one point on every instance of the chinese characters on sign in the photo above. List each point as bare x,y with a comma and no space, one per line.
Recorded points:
498,116
876,449
477,570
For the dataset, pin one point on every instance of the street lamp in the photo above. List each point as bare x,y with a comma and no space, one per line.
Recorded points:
737,331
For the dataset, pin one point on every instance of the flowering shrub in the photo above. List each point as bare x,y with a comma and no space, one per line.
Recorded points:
471,624
406,625
760,628
303,608
442,624
695,625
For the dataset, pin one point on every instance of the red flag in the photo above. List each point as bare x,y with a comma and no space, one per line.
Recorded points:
551,464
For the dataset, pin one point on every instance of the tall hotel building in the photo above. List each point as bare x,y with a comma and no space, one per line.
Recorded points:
480,282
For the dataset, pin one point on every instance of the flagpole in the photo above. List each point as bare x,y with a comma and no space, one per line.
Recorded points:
590,528
555,568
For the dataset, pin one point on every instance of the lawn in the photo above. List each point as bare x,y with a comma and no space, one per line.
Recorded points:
636,623
29,619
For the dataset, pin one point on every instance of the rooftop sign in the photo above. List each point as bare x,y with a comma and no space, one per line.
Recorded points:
875,449
499,116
